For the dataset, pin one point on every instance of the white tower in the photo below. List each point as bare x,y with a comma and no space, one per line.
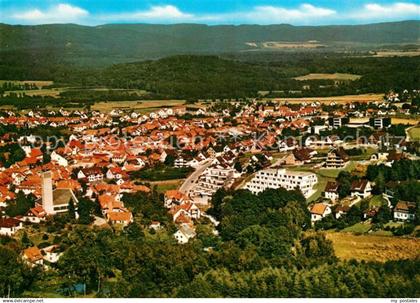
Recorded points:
47,193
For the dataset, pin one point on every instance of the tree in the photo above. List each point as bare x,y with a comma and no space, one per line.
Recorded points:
84,209
20,205
134,232
170,160
379,187
344,188
383,216
46,158
15,277
344,180
216,203
238,166
71,211
26,242
316,246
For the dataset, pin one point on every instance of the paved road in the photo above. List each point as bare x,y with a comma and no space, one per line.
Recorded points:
189,183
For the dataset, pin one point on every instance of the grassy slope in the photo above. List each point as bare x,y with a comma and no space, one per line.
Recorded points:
373,247
414,133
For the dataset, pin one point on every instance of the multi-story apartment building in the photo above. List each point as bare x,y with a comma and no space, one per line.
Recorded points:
338,121
213,178
276,178
380,122
336,158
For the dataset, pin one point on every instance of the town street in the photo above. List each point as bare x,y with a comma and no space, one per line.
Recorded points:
190,182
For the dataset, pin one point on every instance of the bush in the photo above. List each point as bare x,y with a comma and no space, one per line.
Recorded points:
405,229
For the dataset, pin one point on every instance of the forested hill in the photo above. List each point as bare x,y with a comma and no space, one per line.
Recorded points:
130,42
191,76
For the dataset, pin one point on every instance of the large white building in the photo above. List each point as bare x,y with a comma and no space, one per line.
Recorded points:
213,178
276,178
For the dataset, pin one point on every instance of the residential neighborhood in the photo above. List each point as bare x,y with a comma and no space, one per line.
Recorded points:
101,160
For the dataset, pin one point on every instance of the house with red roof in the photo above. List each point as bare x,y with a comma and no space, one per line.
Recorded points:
35,214
174,197
319,211
9,226
33,256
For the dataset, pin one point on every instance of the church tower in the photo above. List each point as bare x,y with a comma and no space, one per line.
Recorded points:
47,193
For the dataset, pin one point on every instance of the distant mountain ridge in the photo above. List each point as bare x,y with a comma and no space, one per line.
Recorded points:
131,42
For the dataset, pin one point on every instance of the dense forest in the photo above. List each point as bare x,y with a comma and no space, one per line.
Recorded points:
264,249
197,77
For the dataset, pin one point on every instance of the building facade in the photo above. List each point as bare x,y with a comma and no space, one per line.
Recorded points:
276,178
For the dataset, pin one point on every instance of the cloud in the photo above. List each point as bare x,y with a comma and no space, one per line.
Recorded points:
263,14
259,14
304,13
165,13
396,10
61,13
267,14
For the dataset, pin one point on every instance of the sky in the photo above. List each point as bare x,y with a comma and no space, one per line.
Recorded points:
316,12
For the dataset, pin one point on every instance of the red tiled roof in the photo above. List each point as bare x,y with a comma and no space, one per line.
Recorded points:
318,209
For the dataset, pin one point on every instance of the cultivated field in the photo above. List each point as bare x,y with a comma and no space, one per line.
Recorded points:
291,45
327,100
41,91
397,53
47,92
373,247
143,106
404,121
336,76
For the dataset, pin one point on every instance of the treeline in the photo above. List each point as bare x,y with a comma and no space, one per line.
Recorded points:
345,280
10,154
10,85
41,102
401,170
95,95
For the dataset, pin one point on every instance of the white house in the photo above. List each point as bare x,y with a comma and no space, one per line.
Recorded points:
405,211
9,226
189,209
155,225
120,217
319,211
35,214
51,253
184,233
331,191
92,174
59,159
361,188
